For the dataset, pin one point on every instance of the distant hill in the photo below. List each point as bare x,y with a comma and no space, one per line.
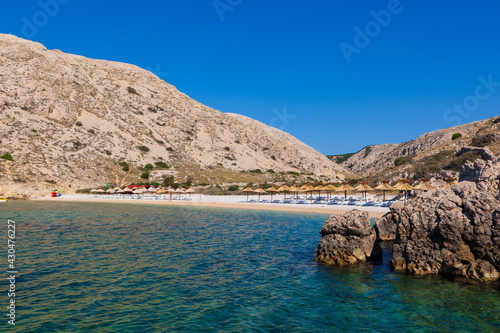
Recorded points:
427,155
72,122
339,159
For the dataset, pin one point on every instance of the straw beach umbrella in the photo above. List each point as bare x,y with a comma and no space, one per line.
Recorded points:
272,190
344,188
295,189
260,190
110,190
330,188
161,191
190,191
425,186
364,187
450,181
307,188
247,190
384,187
319,188
284,189
404,186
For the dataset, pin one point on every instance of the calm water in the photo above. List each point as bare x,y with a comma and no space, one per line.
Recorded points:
132,268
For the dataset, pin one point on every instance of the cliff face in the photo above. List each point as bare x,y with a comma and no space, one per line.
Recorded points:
75,121
374,159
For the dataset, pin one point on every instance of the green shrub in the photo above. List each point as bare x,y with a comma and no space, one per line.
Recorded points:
7,156
126,168
162,165
143,148
295,173
132,90
149,167
402,160
145,175
482,140
34,130
456,136
271,171
273,157
256,171
79,123
49,181
233,188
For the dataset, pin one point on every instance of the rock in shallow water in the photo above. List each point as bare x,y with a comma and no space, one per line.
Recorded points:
348,239
454,231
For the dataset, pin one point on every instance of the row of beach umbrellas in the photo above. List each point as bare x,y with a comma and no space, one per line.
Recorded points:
362,187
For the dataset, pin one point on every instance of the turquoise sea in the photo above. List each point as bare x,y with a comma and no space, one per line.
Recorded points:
85,267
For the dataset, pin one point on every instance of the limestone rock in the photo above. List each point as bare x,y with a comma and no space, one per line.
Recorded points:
485,173
454,231
348,239
385,227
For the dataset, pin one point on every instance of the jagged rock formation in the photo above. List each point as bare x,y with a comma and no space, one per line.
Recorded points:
477,136
385,227
454,231
347,239
485,173
68,121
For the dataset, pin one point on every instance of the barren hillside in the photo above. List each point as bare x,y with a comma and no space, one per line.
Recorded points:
73,122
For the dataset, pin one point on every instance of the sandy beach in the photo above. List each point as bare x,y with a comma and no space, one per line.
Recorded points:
233,201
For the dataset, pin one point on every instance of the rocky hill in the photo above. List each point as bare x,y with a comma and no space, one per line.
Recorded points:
72,122
429,152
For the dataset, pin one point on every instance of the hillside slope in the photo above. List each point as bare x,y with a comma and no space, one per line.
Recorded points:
372,160
73,122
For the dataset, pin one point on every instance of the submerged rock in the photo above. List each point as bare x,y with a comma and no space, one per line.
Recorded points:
454,231
348,239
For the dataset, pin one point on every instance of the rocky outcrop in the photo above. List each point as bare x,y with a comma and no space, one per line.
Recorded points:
454,231
485,174
348,239
485,153
385,227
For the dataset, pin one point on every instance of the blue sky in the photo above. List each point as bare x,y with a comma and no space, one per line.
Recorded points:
336,74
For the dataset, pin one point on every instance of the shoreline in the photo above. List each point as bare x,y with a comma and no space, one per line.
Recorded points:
229,202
